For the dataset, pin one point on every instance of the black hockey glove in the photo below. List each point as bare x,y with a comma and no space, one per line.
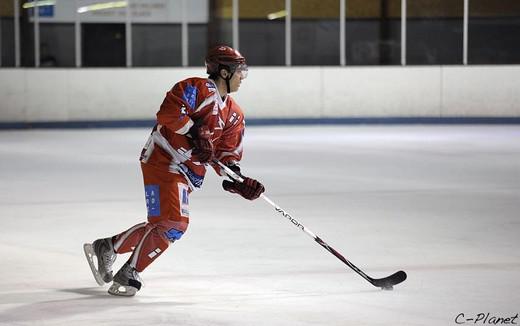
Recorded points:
249,189
204,149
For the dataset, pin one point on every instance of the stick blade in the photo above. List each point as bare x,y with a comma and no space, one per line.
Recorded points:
389,281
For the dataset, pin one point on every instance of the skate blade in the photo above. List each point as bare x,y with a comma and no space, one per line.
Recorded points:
122,290
89,253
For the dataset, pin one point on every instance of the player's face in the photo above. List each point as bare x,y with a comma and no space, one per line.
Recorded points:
234,83
239,75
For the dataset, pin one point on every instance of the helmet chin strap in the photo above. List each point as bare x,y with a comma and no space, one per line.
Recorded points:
228,84
227,79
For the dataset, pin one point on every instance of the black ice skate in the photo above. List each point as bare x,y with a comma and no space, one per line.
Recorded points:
126,282
104,252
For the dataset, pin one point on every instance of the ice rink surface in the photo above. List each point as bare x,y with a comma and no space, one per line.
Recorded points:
440,202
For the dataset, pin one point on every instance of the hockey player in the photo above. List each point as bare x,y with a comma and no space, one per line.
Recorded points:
197,123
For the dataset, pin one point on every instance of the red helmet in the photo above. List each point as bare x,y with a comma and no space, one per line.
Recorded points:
223,56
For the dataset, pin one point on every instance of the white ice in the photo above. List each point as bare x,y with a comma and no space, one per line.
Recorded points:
440,202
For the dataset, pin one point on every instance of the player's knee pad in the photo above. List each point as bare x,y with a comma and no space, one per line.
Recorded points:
172,230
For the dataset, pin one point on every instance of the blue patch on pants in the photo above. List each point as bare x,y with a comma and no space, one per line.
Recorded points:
153,202
173,234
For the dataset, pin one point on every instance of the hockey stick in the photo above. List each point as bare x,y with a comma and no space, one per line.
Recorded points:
385,283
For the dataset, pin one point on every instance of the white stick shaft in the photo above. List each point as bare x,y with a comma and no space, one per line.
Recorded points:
231,173
288,216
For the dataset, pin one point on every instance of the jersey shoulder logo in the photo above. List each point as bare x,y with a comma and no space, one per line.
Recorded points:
211,87
190,96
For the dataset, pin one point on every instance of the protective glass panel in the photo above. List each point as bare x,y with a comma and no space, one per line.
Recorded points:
57,45
373,32
219,28
494,32
262,31
197,44
6,41
434,32
315,32
156,45
103,45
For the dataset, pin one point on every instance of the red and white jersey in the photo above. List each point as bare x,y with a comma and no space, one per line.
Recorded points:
194,101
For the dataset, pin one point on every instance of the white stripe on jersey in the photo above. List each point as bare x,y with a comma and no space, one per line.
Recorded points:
205,103
185,128
179,156
215,97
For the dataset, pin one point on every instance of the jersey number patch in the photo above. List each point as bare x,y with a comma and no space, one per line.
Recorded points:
183,200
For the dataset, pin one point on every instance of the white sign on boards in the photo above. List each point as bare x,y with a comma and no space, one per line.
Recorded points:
142,11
